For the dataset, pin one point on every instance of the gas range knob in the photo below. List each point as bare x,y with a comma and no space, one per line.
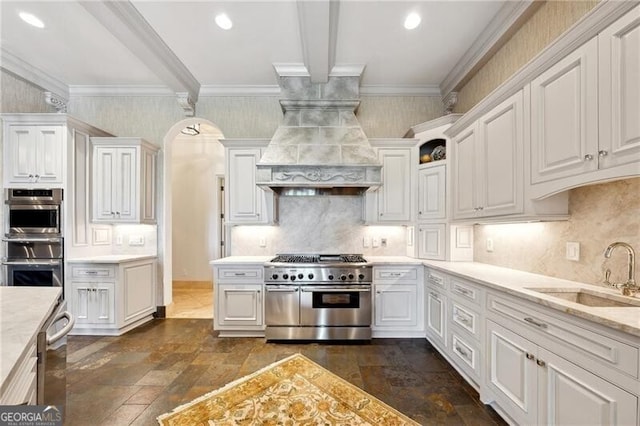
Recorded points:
330,277
361,276
300,276
293,277
274,276
350,276
310,276
285,276
343,277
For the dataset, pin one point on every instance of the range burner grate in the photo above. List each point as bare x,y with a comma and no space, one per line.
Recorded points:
318,258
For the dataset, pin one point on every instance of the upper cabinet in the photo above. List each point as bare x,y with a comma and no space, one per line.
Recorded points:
34,154
432,191
393,202
488,163
246,203
124,180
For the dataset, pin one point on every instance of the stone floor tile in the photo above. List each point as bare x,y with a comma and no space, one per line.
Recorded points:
145,395
124,415
158,378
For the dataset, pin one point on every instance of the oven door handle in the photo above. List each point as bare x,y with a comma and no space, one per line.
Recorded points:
281,290
23,240
65,330
337,289
32,263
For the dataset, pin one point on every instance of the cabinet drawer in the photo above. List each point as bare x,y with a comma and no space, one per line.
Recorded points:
571,338
436,279
465,290
241,274
395,275
87,271
465,318
466,354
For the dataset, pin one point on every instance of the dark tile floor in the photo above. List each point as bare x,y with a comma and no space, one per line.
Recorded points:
133,378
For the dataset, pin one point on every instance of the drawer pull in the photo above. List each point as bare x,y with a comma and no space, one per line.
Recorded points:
536,323
464,291
91,272
541,363
464,320
530,356
239,274
462,352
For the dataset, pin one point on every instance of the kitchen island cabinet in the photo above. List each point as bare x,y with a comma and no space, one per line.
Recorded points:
111,295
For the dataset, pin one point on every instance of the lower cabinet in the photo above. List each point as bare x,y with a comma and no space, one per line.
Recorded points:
397,307
238,300
112,298
21,388
536,386
437,318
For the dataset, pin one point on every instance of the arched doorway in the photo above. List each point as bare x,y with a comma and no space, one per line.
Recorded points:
209,133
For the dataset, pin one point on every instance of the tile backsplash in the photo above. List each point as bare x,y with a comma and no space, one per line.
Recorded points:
324,224
600,215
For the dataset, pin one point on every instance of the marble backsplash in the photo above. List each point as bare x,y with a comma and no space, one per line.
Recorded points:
323,224
600,215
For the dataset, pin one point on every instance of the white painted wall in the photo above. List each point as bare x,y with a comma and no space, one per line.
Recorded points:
196,160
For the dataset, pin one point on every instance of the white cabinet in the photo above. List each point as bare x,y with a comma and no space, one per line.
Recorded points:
432,241
238,300
437,317
111,298
564,116
246,203
394,201
488,163
397,302
124,180
21,387
536,386
432,191
34,154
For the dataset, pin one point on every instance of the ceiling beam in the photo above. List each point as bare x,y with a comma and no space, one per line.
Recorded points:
318,30
126,23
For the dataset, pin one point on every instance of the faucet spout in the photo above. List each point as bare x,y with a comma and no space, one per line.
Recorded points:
631,261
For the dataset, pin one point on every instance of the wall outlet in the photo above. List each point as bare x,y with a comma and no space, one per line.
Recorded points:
365,242
136,240
263,242
489,244
383,242
573,251
118,240
375,242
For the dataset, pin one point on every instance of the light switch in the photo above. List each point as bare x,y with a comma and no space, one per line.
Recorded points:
375,242
365,241
489,244
573,251
263,242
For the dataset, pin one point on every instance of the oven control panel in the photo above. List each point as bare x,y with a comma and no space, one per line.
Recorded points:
279,274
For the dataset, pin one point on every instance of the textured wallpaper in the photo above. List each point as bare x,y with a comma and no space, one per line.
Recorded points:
600,215
550,21
392,116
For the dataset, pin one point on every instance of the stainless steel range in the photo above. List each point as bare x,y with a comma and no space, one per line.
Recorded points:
318,297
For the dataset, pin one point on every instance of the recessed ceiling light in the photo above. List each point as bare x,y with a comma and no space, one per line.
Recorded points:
223,21
412,21
31,19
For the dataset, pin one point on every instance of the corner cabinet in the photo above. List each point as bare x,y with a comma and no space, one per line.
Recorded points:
111,298
124,180
394,202
238,300
245,203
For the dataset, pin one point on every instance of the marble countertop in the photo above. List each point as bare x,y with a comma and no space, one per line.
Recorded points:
111,258
240,259
519,283
23,312
374,260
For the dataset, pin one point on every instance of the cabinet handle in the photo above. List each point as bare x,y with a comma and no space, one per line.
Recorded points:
603,153
37,177
530,356
541,363
91,272
536,323
463,320
464,291
462,351
113,213
239,274
419,212
588,157
480,208
30,176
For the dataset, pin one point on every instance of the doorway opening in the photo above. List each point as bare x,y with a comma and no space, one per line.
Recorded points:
193,164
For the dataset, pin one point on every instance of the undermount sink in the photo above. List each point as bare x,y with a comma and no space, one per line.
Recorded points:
590,297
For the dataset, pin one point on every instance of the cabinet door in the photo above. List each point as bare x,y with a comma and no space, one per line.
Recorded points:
431,193
49,155
103,303
466,160
437,317
104,183
500,178
138,290
245,200
127,184
34,154
432,241
394,196
619,96
80,302
564,387
564,116
148,176
239,304
512,373
395,305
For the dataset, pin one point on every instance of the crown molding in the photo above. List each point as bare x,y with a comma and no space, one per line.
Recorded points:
35,75
239,90
500,25
125,90
433,124
291,70
126,24
384,90
347,70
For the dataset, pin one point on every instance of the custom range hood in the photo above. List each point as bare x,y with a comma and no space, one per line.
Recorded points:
320,147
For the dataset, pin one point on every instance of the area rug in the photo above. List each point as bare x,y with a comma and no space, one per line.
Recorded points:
293,391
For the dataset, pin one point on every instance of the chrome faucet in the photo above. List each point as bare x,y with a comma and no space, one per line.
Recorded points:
629,288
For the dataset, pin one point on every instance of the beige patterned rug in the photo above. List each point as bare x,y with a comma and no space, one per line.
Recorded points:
292,391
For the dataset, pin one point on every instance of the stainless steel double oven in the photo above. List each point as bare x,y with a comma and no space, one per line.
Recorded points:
33,238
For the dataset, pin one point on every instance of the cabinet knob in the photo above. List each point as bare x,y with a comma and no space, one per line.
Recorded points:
419,212
530,356
480,208
588,157
541,363
30,176
603,153
37,177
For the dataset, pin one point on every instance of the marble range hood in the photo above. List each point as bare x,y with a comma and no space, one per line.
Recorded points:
320,147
